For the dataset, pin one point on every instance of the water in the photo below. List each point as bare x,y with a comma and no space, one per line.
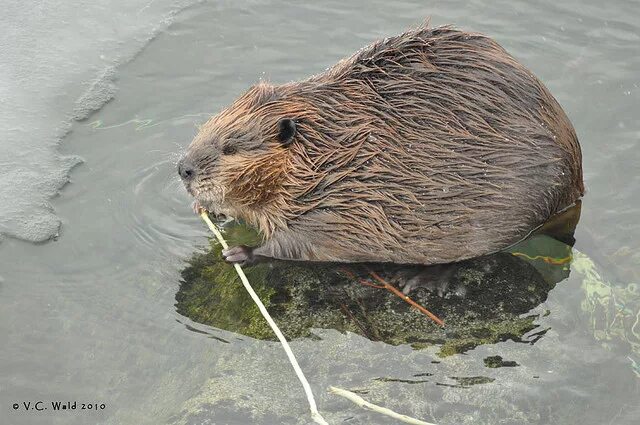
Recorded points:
91,317
58,63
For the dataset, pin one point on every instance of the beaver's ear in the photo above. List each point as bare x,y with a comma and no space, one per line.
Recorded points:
286,131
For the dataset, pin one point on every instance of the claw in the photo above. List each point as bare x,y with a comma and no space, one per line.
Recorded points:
242,255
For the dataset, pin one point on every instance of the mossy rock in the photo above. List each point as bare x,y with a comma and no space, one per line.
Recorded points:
487,299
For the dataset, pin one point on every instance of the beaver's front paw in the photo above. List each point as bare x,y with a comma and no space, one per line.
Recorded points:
242,255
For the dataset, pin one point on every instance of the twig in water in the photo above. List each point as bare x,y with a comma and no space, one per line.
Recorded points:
317,417
373,407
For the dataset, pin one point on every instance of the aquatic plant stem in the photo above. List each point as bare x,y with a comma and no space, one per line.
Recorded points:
317,417
546,259
355,398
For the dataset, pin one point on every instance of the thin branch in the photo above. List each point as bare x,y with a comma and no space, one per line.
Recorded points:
406,298
355,398
317,417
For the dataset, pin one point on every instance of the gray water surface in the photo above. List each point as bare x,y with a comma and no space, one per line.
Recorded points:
91,317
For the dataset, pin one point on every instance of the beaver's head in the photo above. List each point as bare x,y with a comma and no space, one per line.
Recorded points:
237,164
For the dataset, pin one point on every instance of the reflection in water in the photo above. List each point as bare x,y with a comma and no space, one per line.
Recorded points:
483,300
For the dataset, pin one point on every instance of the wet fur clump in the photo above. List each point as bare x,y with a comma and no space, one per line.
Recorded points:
430,147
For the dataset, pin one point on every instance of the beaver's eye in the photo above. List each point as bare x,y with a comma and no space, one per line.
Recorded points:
286,131
229,150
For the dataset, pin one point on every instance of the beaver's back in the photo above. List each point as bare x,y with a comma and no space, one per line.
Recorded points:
430,147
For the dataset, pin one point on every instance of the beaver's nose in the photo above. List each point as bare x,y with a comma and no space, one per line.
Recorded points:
186,170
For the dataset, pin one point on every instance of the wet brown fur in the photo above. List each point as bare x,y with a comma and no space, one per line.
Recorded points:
430,147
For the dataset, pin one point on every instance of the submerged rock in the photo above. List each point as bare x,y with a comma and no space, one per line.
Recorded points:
482,301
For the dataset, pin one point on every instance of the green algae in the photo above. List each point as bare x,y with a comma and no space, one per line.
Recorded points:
210,294
494,362
468,381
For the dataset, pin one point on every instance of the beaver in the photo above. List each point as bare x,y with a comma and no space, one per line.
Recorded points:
430,147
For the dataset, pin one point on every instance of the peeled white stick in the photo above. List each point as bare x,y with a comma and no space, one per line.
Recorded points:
382,410
317,417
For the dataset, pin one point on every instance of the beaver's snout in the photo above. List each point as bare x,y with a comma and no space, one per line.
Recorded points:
186,170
